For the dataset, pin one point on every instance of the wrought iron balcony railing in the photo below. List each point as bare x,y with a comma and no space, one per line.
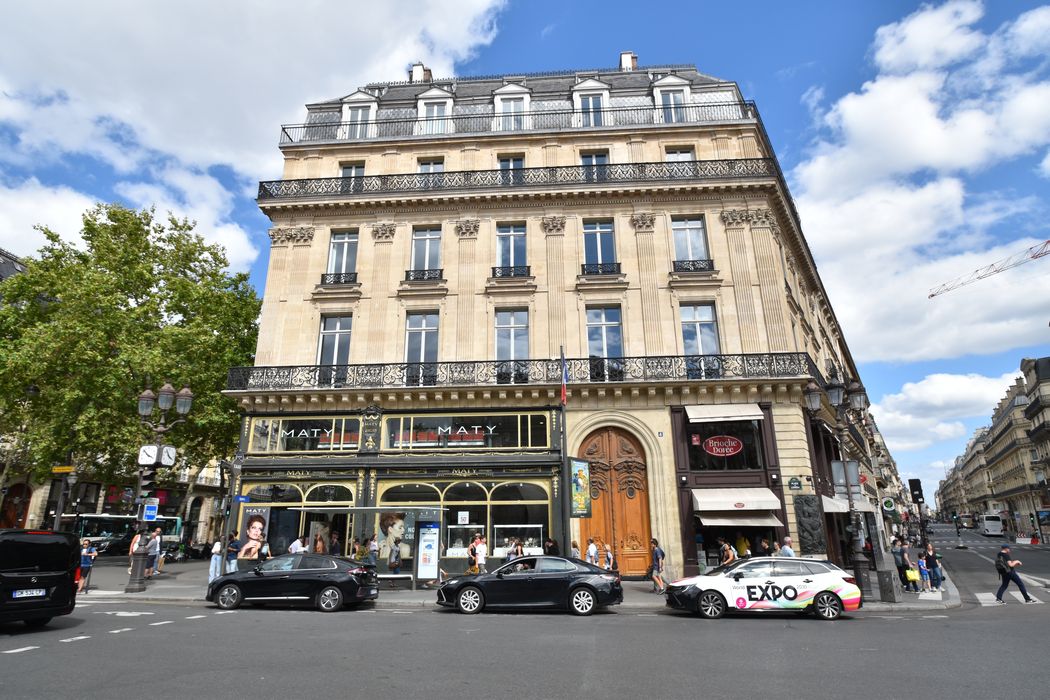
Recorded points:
491,122
694,265
589,370
339,278
600,269
512,271
424,275
561,176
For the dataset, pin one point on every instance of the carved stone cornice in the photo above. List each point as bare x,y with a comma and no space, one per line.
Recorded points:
384,231
756,217
643,222
553,225
467,228
282,235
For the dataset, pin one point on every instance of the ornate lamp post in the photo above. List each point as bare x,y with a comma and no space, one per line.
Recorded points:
152,456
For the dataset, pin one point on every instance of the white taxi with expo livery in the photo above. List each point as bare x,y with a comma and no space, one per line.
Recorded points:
768,583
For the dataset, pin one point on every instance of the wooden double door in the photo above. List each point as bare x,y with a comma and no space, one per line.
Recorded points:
619,499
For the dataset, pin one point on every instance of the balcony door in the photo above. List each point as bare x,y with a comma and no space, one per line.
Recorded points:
512,346
333,353
605,344
421,348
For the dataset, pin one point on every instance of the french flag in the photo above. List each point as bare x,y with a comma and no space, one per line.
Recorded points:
564,379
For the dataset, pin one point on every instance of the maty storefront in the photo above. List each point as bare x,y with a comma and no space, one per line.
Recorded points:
488,472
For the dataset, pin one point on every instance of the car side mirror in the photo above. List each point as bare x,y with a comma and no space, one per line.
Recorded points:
258,570
737,577
499,574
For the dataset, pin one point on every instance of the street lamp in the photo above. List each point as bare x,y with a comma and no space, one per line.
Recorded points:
152,456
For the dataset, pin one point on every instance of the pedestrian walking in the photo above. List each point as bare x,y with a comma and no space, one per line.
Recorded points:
898,561
763,550
776,549
152,552
933,566
131,550
1005,566
159,568
785,549
551,547
483,554
658,566
394,560
215,567
87,560
592,551
726,553
472,555
575,551
911,574
373,549
609,563
232,547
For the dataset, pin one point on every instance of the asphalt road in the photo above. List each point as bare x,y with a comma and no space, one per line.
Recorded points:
974,566
198,651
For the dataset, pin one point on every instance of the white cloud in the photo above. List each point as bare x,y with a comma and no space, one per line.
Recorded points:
888,200
209,83
29,203
931,37
929,411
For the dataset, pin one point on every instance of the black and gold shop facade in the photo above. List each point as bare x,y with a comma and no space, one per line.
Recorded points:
494,472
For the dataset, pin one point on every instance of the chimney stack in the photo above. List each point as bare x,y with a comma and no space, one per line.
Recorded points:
628,61
418,73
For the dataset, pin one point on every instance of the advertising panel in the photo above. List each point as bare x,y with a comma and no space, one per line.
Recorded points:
581,488
254,521
429,551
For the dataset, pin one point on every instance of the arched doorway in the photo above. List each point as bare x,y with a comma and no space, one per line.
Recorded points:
15,506
619,498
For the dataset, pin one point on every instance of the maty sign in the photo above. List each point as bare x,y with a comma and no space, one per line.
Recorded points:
722,446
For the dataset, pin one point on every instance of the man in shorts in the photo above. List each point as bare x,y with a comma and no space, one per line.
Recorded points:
152,552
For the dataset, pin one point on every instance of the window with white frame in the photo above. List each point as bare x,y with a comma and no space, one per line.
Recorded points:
510,245
426,249
511,162
431,165
512,334
672,106
334,345
421,347
342,253
512,114
352,169
605,343
357,119
591,109
679,154
690,238
434,117
699,329
359,116
599,245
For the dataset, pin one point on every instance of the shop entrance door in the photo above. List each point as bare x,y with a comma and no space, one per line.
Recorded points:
619,499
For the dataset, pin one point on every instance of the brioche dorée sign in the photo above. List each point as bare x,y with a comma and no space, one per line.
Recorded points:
722,446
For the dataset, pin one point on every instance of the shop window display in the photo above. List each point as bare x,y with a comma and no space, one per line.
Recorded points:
721,446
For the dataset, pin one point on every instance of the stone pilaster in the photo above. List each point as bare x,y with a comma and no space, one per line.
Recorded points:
554,236
644,224
749,325
468,341
765,234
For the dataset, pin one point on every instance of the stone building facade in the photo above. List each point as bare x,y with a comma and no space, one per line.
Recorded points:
437,245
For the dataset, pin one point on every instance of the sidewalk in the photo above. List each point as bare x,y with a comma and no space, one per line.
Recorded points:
188,582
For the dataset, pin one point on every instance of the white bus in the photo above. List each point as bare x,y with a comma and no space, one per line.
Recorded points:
991,525
117,530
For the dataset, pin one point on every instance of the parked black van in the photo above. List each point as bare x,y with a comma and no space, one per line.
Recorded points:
39,573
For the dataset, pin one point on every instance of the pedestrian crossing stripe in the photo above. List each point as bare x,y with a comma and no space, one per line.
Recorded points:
987,599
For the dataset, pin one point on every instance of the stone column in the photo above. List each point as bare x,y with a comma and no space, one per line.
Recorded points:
644,224
290,262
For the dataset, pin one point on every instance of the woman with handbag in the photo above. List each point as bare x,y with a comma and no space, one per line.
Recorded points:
911,571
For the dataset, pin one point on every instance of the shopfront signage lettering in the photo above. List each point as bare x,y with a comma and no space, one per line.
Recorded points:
756,593
463,430
306,433
723,446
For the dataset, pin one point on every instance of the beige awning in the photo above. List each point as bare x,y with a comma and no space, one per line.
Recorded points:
739,520
734,499
841,505
723,411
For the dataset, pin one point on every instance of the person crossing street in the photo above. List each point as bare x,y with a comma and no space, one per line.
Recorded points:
1005,566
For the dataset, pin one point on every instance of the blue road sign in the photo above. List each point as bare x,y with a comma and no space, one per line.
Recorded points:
241,499
149,512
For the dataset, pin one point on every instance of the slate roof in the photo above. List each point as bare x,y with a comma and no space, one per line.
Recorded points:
10,264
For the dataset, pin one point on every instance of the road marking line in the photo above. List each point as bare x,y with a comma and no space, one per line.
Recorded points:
1018,596
647,615
934,617
122,629
76,639
158,624
195,617
226,612
986,598
401,612
19,651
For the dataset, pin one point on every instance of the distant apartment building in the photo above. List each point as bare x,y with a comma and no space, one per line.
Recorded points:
437,244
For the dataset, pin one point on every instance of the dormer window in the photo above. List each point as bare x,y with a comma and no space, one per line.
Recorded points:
671,99
434,112
511,107
359,116
590,101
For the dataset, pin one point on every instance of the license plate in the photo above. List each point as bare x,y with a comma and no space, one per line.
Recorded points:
373,591
30,593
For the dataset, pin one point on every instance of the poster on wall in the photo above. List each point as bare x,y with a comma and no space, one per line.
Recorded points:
318,528
429,543
254,521
394,526
580,469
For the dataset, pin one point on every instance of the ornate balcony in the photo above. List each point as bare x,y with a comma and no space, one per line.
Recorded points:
339,278
490,122
600,269
275,191
424,275
674,368
511,271
694,265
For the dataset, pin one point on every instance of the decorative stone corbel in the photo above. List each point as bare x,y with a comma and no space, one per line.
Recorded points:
384,231
643,222
467,228
281,235
553,225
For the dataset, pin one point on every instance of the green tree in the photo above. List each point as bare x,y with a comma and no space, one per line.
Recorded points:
89,324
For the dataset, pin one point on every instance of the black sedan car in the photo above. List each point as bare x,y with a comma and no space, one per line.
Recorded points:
534,582
326,582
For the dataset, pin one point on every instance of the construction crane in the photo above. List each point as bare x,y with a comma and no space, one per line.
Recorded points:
1036,251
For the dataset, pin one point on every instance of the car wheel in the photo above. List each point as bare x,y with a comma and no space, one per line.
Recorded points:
229,597
470,600
711,605
582,601
330,599
37,622
827,605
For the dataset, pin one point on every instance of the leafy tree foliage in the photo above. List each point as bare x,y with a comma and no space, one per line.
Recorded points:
140,300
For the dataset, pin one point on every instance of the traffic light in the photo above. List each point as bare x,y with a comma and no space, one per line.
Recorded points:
915,486
147,481
1031,519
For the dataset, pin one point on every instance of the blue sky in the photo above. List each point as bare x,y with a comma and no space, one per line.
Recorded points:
915,137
